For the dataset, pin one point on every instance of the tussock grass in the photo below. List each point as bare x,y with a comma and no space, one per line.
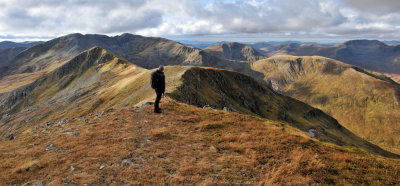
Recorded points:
140,147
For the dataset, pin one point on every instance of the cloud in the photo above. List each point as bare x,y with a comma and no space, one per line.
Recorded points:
52,17
375,6
33,19
273,15
222,17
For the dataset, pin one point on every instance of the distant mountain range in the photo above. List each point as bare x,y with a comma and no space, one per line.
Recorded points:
235,51
10,44
371,54
6,54
205,44
9,49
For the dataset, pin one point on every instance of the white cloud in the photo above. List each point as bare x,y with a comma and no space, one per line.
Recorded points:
30,18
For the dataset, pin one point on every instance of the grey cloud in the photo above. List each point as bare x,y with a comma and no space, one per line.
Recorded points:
343,31
293,16
182,17
123,23
375,6
270,16
18,18
52,17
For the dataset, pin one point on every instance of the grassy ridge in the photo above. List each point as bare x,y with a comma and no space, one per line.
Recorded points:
222,88
185,145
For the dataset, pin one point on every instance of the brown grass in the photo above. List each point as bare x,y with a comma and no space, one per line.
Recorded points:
360,101
184,145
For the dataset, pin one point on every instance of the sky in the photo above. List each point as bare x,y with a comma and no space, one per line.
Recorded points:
204,20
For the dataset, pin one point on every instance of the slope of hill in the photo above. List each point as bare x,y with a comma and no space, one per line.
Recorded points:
235,51
147,52
184,145
10,44
370,54
98,80
365,102
6,54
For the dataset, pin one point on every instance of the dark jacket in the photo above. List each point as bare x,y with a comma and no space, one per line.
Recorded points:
158,81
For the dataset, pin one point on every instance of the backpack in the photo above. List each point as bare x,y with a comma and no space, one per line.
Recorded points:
154,80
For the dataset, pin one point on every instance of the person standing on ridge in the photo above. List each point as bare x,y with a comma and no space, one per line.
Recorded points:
158,84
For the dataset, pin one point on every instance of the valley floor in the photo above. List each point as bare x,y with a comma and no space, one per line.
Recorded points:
184,145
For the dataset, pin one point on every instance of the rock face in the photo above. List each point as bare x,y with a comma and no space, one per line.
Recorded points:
235,51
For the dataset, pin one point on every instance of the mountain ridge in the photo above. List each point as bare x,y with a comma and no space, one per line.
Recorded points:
110,82
358,98
147,52
11,44
370,54
6,54
235,51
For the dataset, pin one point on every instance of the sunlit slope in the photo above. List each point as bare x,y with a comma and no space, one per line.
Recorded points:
93,80
365,102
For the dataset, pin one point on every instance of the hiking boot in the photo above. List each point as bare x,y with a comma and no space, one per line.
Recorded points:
158,111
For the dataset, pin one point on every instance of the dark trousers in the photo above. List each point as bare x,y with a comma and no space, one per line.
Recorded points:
157,102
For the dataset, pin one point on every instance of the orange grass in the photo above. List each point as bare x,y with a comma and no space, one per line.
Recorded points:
184,145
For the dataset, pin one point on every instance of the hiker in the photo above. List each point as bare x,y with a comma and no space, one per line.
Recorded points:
158,84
